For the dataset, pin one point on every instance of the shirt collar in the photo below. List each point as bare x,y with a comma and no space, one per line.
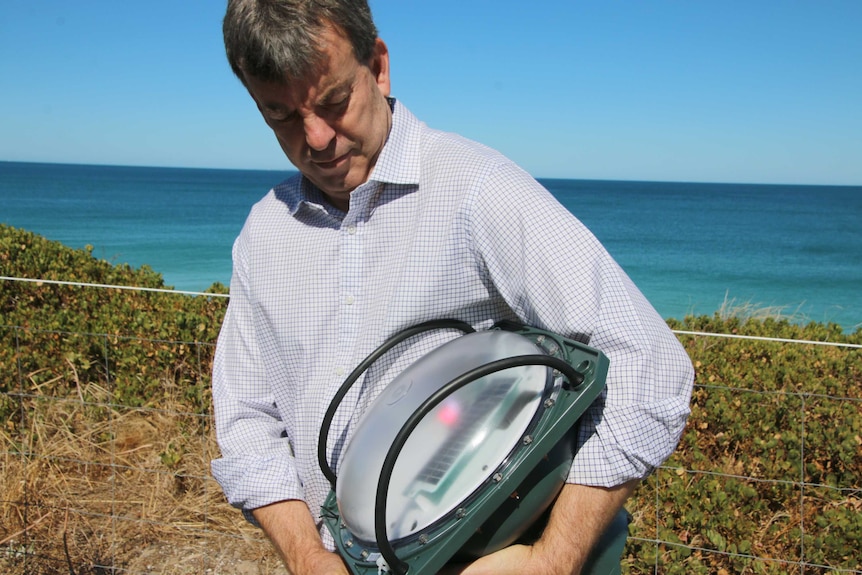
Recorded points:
398,162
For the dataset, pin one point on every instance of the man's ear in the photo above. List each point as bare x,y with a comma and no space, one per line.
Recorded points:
380,66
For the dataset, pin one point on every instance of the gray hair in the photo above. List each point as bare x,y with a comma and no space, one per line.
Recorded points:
278,40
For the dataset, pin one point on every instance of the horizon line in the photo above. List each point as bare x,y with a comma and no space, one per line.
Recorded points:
292,170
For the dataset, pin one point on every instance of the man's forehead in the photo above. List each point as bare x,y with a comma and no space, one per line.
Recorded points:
297,93
336,65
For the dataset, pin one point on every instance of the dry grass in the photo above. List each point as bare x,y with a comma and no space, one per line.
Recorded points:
88,488
745,310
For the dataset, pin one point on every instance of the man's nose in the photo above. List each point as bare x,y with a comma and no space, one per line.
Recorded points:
318,133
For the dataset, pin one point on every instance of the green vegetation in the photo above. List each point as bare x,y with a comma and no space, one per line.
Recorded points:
51,330
772,450
106,435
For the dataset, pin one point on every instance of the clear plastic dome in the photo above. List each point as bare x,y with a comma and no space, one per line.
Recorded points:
454,449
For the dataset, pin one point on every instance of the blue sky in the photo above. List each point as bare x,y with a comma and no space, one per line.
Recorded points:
766,91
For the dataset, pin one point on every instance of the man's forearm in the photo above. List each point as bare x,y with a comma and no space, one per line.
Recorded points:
580,516
291,529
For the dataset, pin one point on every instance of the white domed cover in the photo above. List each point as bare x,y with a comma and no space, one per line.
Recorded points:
454,449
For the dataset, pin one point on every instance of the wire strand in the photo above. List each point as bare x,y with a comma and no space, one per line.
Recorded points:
775,339
109,286
224,295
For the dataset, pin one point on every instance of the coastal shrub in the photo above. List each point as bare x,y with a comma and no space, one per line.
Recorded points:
106,432
131,342
768,469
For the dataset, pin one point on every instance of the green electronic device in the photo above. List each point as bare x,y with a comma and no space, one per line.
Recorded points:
464,452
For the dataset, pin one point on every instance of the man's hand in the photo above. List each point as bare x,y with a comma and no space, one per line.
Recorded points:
321,562
579,517
292,531
517,559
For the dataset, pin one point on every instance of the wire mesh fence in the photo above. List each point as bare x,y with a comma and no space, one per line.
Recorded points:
106,442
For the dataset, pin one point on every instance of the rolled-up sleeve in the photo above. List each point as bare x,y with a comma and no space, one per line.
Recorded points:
637,422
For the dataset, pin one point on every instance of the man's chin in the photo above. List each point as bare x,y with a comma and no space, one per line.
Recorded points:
335,182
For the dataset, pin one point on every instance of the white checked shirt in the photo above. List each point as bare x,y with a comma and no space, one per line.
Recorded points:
444,228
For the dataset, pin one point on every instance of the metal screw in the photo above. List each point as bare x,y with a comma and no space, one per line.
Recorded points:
460,513
528,439
364,554
549,403
423,539
348,543
498,477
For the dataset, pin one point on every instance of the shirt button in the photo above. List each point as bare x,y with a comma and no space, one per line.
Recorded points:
351,229
339,371
349,300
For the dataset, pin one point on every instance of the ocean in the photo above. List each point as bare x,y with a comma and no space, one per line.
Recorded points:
690,247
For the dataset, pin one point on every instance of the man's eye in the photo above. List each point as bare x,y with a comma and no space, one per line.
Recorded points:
281,118
273,114
339,104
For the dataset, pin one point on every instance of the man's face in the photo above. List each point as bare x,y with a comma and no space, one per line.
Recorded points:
332,125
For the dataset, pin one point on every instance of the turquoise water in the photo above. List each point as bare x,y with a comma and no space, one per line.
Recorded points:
688,246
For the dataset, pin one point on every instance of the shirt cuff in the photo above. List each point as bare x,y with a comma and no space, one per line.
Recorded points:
251,482
622,443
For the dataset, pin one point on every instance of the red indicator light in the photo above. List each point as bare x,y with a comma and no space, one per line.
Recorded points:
449,413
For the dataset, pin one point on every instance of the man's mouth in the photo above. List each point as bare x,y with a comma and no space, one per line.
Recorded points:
330,164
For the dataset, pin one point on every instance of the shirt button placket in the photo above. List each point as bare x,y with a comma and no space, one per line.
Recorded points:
351,266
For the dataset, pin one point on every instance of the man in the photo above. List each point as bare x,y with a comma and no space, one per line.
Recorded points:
390,224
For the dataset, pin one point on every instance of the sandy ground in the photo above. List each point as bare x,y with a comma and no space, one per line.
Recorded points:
235,558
